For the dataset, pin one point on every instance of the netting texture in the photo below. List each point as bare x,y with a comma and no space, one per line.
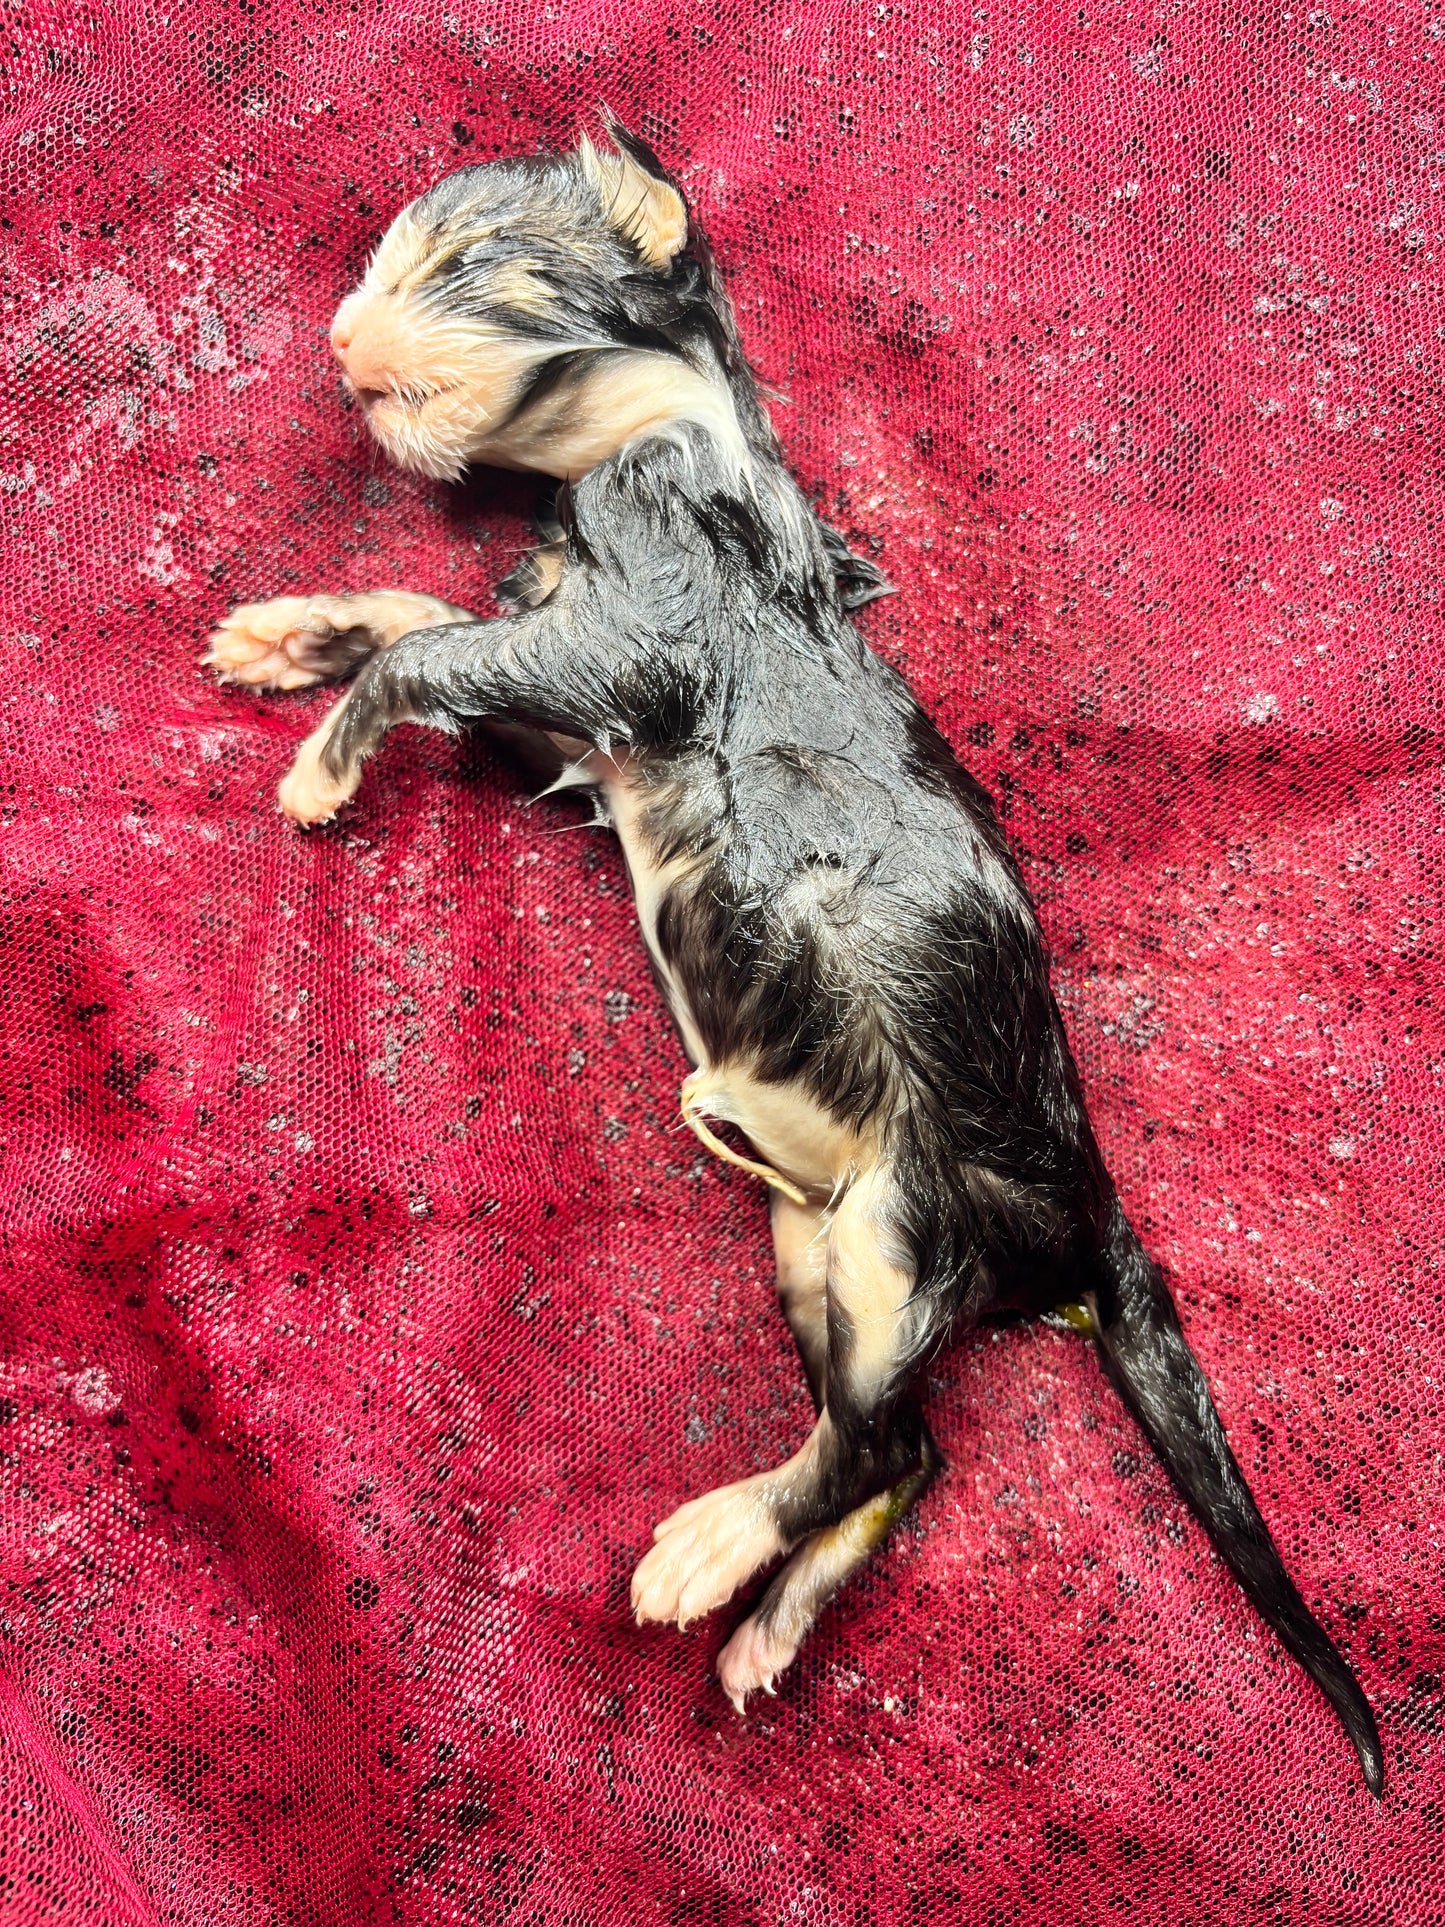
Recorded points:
364,1303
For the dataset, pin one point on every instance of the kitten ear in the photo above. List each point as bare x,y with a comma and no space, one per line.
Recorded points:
639,200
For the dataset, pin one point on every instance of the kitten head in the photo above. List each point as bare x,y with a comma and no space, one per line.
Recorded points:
537,313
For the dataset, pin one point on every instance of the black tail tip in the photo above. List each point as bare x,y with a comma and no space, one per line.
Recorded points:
1353,1710
1372,1763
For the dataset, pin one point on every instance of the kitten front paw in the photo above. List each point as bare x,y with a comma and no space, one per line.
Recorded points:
308,792
291,642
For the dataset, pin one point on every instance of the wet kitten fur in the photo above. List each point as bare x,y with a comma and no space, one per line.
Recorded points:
841,931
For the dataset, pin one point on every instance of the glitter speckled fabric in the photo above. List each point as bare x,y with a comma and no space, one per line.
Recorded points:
363,1303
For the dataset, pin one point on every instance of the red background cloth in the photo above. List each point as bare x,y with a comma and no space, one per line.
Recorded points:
364,1303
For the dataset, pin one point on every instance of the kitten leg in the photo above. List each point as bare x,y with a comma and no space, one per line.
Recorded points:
767,1641
535,669
869,1437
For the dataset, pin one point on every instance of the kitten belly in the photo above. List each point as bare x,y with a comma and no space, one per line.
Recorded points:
788,1139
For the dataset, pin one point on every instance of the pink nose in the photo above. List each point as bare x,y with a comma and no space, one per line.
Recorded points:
362,345
343,327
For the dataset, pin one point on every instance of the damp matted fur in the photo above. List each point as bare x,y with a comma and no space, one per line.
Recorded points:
841,931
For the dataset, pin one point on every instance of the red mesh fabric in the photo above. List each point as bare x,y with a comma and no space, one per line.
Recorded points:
364,1304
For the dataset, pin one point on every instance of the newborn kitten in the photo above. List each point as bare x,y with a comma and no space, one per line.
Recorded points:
844,939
